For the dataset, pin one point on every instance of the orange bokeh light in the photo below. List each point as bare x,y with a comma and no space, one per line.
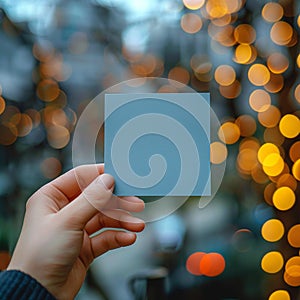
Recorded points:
212,264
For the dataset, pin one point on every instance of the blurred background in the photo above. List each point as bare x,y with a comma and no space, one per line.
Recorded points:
57,55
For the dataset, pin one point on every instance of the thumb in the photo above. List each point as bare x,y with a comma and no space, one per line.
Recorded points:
94,198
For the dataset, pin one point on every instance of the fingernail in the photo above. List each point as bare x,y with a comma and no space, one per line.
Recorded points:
107,180
131,219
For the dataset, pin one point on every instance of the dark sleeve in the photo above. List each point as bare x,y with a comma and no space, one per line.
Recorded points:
16,285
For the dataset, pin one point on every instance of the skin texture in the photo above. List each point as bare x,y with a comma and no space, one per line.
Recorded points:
58,241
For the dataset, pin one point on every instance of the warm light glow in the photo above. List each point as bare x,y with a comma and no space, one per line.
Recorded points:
294,151
258,175
296,169
281,33
51,167
268,193
265,150
259,74
287,180
297,93
8,134
225,75
243,54
246,124
294,236
292,271
247,160
2,105
275,83
212,264
35,116
58,136
273,164
231,91
272,262
280,295
272,230
179,74
273,135
289,126
191,23
284,198
229,133
218,153
193,4
47,90
259,100
244,34
193,263
277,63
24,125
272,12
270,117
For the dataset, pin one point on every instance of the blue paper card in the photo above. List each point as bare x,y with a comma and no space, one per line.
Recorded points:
158,144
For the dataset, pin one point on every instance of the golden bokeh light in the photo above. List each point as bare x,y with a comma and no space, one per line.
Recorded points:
284,198
246,124
285,170
280,295
51,167
8,134
212,264
218,152
260,100
277,63
243,54
35,116
268,193
258,175
193,4
223,21
287,180
273,135
191,23
272,262
229,133
289,126
249,143
272,230
275,83
297,93
48,90
24,125
294,151
58,136
292,271
201,67
296,169
247,160
270,117
244,34
225,75
294,236
231,91
265,150
2,105
272,12
273,164
259,74
223,35
193,263
179,74
281,33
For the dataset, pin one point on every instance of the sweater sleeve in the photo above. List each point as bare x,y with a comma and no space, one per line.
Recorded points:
18,285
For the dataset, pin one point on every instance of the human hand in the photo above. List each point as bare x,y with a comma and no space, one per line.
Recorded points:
55,245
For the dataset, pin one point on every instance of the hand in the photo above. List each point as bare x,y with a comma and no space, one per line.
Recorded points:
55,245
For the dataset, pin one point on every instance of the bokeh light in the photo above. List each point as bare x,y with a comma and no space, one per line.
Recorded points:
272,262
47,90
294,151
193,4
272,230
2,105
272,12
179,74
296,169
287,180
246,124
277,63
265,150
58,136
268,193
191,23
294,236
51,167
212,264
225,75
259,74
281,33
273,164
244,34
193,263
229,133
218,153
289,126
284,198
259,100
280,295
274,136
270,117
